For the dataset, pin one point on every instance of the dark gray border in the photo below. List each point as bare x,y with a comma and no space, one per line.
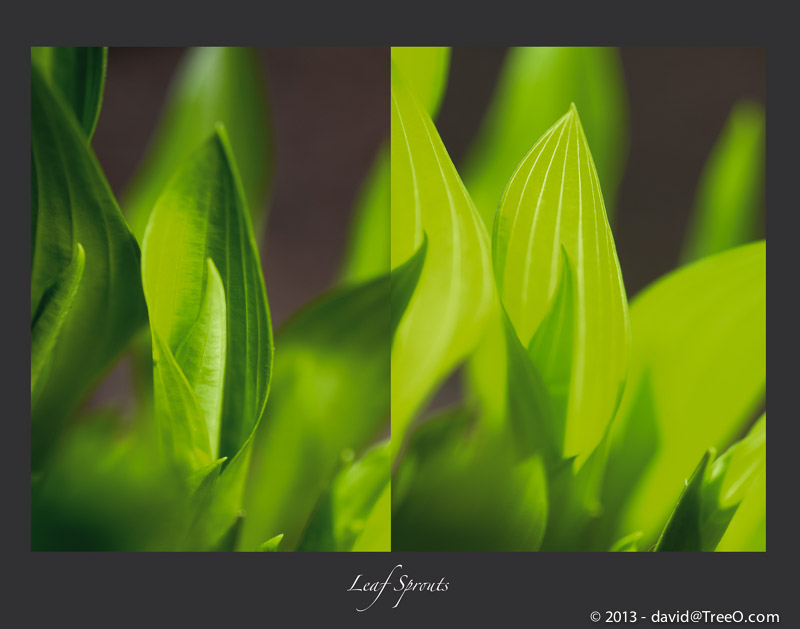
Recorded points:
549,590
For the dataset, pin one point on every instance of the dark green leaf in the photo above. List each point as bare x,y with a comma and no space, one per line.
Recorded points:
79,73
71,202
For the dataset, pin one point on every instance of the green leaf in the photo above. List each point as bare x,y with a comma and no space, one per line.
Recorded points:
627,544
448,311
454,491
535,86
70,203
202,215
425,70
342,516
49,318
184,435
212,85
701,386
730,191
79,73
104,490
551,345
201,354
368,243
271,545
338,349
553,200
712,496
404,281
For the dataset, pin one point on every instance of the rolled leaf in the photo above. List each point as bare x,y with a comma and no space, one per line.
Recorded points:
212,85
536,85
448,311
70,203
203,215
79,73
553,200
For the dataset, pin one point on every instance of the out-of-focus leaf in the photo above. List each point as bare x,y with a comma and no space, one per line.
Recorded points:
338,348
105,490
747,531
553,200
448,311
212,85
344,511
461,493
425,70
367,251
627,544
79,73
70,203
271,545
713,494
536,85
729,195
404,281
203,214
49,318
377,533
701,386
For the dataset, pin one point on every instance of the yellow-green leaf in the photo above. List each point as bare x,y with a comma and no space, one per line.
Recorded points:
729,196
553,200
448,309
426,70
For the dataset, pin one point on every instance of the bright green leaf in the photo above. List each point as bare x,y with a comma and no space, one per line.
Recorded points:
203,214
212,85
404,281
79,73
701,385
425,70
448,311
627,544
337,348
730,191
271,545
553,200
536,85
713,494
70,203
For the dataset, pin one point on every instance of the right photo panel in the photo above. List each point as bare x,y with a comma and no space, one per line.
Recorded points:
578,299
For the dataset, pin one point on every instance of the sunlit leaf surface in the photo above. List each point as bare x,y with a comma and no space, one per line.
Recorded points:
698,375
535,87
426,70
553,200
448,309
712,495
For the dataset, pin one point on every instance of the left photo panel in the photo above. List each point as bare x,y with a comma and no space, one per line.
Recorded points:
210,299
